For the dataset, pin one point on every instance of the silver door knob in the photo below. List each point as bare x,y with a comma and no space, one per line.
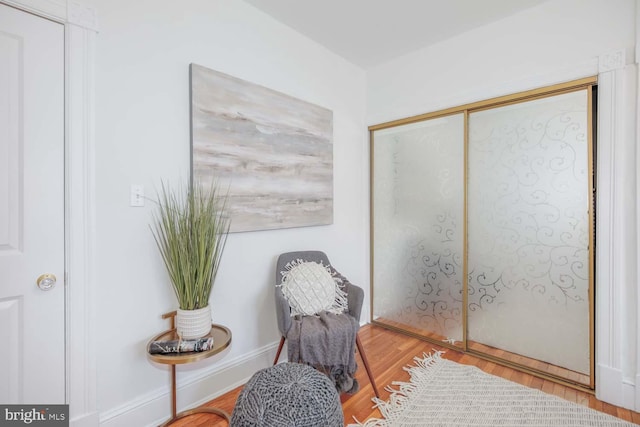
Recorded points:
46,281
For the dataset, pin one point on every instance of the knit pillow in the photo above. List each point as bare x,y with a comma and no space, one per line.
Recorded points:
310,288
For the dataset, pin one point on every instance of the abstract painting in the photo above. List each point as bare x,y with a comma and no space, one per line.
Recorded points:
274,152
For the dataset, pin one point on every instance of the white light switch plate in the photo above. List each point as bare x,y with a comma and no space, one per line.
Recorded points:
137,195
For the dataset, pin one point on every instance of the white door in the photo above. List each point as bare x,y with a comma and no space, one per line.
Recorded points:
32,361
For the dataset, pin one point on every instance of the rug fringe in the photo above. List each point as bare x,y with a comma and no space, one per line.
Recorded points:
399,396
442,392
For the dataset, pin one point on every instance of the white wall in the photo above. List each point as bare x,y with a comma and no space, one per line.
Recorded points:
558,41
143,53
517,53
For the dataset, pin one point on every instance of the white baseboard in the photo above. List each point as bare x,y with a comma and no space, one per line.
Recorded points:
86,420
628,395
154,408
637,395
612,388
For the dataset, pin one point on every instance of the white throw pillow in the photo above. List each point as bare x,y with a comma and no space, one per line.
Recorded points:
310,288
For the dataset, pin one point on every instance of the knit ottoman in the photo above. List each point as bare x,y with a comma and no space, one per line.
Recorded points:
288,395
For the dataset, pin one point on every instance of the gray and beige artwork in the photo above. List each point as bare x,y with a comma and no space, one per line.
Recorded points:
272,151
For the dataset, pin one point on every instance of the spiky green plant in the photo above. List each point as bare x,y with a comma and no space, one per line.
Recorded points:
190,229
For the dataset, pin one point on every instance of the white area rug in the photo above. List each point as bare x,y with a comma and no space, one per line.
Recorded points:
445,393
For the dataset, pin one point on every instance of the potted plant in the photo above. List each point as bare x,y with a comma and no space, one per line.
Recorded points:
190,229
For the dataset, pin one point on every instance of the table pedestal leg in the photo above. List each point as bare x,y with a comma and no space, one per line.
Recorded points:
173,392
175,416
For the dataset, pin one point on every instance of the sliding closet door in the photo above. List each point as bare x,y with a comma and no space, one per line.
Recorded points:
417,226
529,232
482,229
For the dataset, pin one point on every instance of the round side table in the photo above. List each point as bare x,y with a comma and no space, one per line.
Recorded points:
221,340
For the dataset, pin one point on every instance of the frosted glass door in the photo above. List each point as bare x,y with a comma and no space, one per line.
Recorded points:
417,226
529,229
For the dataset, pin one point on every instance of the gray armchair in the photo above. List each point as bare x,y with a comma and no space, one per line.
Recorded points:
355,297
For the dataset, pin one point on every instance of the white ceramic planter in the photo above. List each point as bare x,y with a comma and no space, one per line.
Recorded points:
191,324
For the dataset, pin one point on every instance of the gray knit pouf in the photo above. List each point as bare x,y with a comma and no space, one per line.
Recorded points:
288,395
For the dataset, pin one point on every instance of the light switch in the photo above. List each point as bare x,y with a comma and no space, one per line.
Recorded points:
137,195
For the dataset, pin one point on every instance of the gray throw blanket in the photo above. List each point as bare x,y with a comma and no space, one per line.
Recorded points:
326,342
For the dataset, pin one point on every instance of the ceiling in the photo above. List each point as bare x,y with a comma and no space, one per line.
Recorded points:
369,32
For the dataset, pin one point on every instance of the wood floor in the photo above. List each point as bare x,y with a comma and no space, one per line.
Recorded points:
546,368
388,352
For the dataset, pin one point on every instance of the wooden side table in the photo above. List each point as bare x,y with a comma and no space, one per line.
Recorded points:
221,340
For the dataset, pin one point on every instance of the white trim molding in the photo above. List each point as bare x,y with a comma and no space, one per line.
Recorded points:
616,242
81,358
63,11
80,31
82,16
50,9
615,60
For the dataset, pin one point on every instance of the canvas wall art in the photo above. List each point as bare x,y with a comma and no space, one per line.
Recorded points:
275,152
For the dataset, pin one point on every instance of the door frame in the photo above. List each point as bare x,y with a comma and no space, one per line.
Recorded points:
80,30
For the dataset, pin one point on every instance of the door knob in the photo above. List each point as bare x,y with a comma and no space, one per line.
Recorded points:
46,281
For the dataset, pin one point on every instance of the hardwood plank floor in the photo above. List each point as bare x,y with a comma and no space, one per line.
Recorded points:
388,353
545,368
